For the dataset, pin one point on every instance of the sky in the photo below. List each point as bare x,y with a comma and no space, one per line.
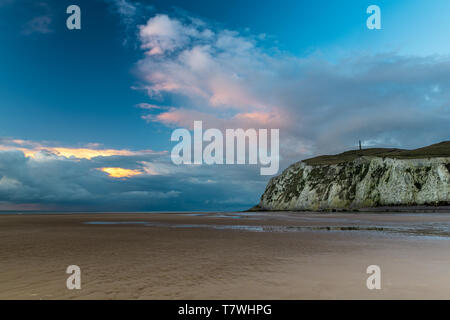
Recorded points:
86,115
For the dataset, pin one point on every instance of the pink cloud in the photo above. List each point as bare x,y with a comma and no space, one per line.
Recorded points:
185,118
228,80
213,70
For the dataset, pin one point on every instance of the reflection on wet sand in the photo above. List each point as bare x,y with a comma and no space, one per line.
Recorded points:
412,225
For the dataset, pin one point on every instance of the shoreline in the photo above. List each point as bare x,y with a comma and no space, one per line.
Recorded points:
381,209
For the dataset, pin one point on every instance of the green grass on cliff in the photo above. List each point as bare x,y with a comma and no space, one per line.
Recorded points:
436,150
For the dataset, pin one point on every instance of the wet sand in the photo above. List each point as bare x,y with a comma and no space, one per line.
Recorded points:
225,256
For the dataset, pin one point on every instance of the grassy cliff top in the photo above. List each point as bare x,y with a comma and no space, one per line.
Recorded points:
441,149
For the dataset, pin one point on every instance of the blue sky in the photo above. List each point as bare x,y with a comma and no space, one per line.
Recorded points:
310,68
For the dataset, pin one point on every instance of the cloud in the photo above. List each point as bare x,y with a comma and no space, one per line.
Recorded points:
230,80
185,118
136,182
130,14
41,24
192,60
149,106
164,35
120,172
36,150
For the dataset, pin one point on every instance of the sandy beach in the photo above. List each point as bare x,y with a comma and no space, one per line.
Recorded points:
225,256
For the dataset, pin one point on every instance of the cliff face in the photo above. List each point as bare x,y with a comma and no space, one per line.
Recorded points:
365,181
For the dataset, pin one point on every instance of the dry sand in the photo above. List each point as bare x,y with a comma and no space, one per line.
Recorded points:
180,256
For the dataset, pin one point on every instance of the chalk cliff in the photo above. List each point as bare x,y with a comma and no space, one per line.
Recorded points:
361,179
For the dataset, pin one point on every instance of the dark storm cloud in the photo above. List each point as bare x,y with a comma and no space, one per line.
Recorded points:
77,184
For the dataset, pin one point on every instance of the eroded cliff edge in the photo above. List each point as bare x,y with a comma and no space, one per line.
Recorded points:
352,181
